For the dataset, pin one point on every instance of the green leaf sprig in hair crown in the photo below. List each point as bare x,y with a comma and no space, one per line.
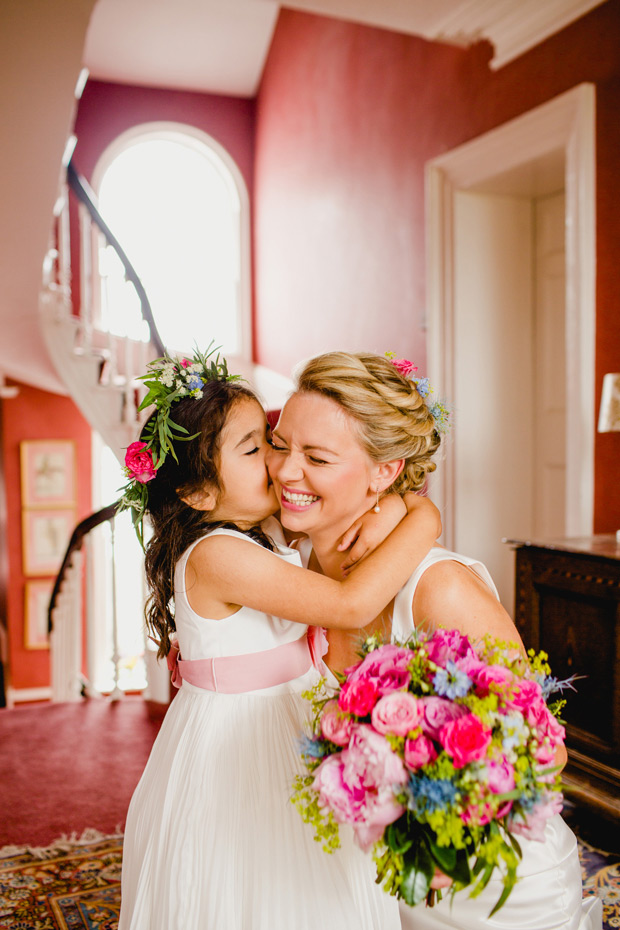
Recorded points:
167,380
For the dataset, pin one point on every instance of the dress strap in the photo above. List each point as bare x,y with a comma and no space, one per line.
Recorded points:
237,674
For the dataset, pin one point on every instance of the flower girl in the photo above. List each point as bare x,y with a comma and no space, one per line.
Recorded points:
212,841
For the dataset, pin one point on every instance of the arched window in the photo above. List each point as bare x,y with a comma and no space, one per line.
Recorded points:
177,203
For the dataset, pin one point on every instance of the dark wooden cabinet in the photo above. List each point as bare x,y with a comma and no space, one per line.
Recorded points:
567,602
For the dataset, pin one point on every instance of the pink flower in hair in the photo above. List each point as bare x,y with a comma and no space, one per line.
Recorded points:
403,366
139,463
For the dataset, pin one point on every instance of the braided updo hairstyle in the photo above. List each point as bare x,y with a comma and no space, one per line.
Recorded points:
392,418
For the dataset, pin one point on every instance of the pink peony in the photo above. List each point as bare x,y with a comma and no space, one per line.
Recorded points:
371,761
358,696
419,751
335,726
436,712
380,809
524,694
500,776
466,740
403,366
385,667
533,827
344,798
139,463
449,644
396,713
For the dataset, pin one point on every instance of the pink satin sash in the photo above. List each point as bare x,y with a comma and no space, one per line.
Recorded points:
251,672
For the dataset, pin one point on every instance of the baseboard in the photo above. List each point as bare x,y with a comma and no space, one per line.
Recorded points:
27,695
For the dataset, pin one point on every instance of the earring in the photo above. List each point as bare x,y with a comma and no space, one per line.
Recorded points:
376,508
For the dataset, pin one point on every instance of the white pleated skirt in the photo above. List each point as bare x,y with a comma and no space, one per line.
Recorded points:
212,841
547,896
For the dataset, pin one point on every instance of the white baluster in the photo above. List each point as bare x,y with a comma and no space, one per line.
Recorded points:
86,278
116,694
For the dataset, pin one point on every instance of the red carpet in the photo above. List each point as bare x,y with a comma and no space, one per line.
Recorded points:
66,767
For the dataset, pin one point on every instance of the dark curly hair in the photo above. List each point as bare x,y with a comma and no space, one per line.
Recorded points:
175,524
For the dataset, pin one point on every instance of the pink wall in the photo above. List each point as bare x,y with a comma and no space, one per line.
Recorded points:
35,414
347,117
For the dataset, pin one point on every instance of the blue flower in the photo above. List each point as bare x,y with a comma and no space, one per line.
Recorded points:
428,794
451,682
422,385
312,747
195,383
549,685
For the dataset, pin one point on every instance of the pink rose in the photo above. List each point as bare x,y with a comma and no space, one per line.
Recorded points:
524,693
403,366
436,712
139,463
385,667
396,713
449,644
496,675
533,827
343,798
371,761
419,751
335,726
358,696
549,733
466,740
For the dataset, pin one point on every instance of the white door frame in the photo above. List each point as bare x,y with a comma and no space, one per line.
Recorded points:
566,122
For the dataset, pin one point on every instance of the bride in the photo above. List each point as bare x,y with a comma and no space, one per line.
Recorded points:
350,412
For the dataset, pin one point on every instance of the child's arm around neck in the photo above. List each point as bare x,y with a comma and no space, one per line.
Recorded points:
224,572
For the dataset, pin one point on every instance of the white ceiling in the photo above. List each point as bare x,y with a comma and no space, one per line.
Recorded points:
220,46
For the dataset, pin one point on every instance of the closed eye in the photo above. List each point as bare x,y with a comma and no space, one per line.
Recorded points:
275,447
316,461
252,452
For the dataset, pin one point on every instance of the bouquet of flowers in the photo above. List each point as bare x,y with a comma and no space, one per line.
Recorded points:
439,753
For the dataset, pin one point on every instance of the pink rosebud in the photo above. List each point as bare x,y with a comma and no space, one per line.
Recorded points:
437,712
396,713
466,740
403,366
139,463
419,751
335,726
358,697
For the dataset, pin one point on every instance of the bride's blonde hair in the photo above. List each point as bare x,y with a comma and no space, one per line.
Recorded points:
392,417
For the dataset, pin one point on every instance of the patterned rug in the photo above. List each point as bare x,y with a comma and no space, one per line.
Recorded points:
75,884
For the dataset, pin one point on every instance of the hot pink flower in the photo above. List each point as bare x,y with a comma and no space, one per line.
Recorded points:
385,667
358,696
139,462
419,751
449,644
437,712
403,366
524,693
396,713
335,726
466,740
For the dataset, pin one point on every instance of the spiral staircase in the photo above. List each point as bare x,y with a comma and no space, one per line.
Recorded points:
100,372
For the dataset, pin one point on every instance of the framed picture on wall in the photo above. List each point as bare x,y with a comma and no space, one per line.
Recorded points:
36,603
48,469
46,534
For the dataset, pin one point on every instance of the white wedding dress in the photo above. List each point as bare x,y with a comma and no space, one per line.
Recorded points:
548,894
212,840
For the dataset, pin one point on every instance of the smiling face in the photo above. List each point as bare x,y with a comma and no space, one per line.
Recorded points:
323,478
247,495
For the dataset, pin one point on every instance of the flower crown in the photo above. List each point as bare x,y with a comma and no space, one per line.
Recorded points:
168,380
437,408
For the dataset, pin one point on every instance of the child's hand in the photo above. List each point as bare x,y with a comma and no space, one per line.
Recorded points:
370,530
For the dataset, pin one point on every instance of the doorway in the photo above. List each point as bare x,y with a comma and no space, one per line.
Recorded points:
511,331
